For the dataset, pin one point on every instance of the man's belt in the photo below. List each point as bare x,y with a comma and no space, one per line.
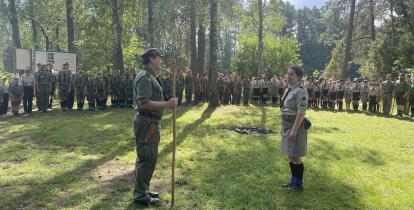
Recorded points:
149,115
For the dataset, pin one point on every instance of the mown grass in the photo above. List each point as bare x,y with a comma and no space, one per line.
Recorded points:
85,161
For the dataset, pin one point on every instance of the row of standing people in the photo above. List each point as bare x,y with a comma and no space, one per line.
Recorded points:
43,84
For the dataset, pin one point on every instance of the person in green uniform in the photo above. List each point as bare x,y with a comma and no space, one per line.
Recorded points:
80,86
246,91
39,69
64,81
411,97
387,94
100,91
189,87
205,88
238,90
115,82
401,92
90,92
220,87
129,88
16,94
149,104
43,83
53,84
180,87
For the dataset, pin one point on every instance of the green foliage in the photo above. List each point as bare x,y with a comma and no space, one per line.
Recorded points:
334,67
279,53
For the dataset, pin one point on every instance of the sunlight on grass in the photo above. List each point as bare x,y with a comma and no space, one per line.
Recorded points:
86,161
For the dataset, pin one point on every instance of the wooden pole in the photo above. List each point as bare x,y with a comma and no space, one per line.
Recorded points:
174,75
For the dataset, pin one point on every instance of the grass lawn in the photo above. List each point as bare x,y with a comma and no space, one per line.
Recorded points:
86,160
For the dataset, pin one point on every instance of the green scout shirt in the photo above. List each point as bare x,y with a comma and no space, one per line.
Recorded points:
43,78
401,86
80,82
411,89
147,88
16,90
387,87
64,78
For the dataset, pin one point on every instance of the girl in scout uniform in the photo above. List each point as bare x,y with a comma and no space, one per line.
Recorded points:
294,133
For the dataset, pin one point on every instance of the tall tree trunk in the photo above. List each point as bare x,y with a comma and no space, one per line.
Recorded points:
348,42
70,26
392,20
118,58
14,23
201,46
47,43
212,73
260,47
193,35
57,39
33,24
372,19
151,23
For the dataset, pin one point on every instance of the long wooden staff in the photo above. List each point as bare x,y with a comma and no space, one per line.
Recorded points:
174,75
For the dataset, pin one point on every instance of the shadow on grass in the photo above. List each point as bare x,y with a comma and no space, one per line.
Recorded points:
326,151
250,178
187,130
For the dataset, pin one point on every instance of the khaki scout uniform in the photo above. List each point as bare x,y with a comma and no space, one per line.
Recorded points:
294,102
146,129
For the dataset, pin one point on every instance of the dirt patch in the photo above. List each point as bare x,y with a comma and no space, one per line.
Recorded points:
113,170
251,131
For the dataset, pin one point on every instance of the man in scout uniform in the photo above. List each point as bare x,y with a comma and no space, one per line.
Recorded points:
64,80
16,93
387,94
246,91
204,85
43,83
149,105
129,88
80,85
100,91
115,89
220,87
411,97
189,85
238,90
180,86
37,72
53,84
90,92
197,89
28,83
401,92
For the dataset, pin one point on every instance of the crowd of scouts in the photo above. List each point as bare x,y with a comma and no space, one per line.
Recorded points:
192,89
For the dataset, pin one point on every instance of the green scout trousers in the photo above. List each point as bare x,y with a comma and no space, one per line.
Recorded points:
44,91
386,103
147,153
